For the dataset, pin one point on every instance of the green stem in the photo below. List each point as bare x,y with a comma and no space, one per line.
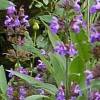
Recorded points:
34,38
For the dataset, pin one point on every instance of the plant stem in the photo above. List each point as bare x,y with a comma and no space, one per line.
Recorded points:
34,38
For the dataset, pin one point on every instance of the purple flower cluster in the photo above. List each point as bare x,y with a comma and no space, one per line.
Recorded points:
61,49
22,70
60,93
41,66
94,35
14,20
54,25
72,51
89,77
77,23
77,7
95,95
39,77
75,91
96,7
22,93
10,92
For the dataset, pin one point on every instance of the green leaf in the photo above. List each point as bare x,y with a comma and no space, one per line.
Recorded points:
46,18
46,2
3,81
82,44
46,86
4,4
76,70
36,97
59,68
39,4
77,67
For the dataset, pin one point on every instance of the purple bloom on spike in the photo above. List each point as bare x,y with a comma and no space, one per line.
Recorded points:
96,7
10,91
72,51
54,25
24,21
22,70
89,77
41,66
77,23
95,37
39,77
95,95
60,48
77,90
93,9
77,6
11,74
22,93
75,28
60,93
11,10
16,22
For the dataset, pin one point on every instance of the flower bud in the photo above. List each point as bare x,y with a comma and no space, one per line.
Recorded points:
35,26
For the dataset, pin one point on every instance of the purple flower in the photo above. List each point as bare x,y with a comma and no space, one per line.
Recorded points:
77,22
77,90
22,70
16,22
95,37
39,77
43,52
75,28
77,6
22,93
60,93
11,10
10,91
54,25
95,95
72,51
13,20
24,21
11,74
96,7
89,77
93,9
41,66
60,48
